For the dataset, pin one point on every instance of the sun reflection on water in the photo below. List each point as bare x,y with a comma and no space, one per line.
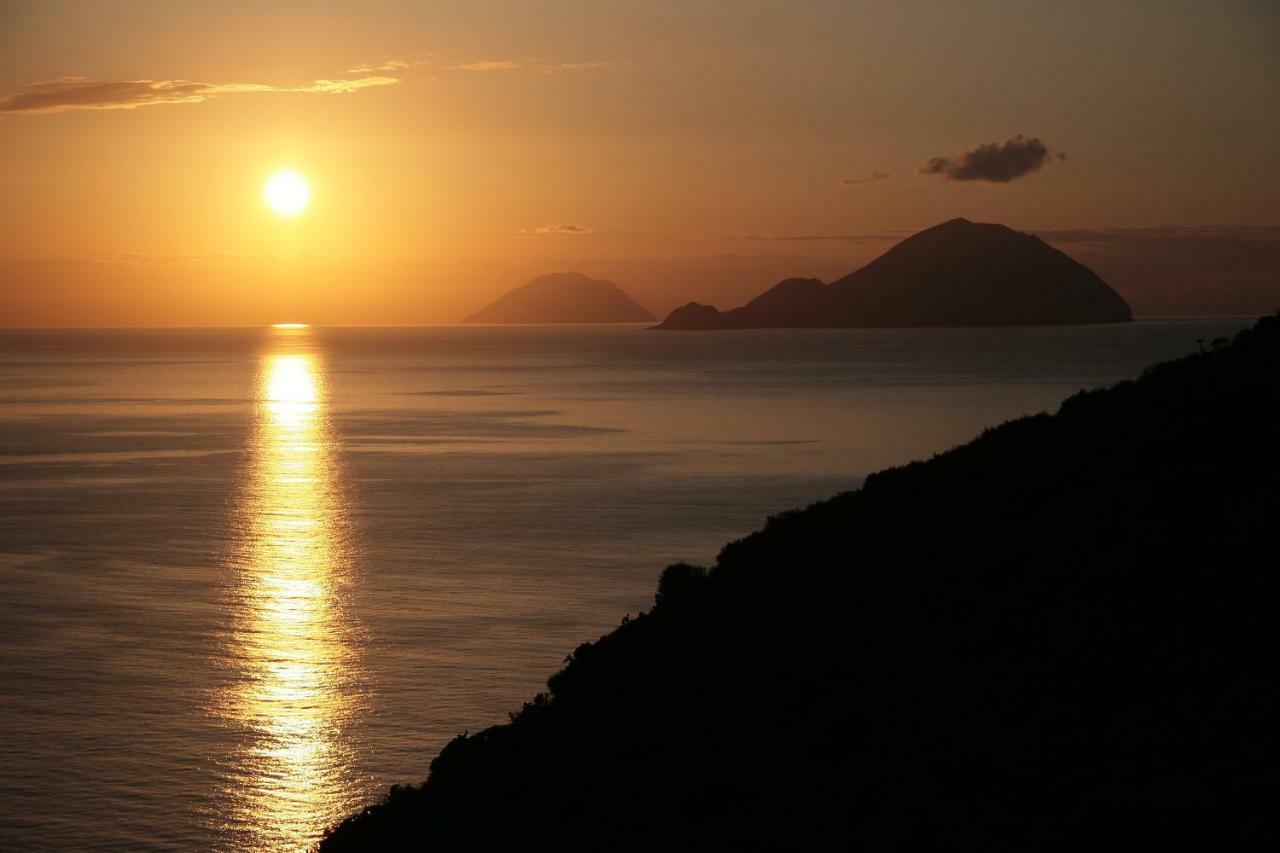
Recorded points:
294,693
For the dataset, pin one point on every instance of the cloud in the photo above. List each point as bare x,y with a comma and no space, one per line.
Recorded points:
79,93
563,229
993,162
1219,269
874,175
535,67
389,66
1227,236
73,93
489,65
317,87
550,67
874,237
207,259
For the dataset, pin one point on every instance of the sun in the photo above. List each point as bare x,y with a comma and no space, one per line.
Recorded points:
287,192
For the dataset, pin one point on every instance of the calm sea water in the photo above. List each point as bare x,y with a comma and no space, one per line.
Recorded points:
252,577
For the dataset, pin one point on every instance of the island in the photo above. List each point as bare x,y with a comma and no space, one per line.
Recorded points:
568,297
959,273
1057,633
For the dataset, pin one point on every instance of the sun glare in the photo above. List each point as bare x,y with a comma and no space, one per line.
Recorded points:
287,192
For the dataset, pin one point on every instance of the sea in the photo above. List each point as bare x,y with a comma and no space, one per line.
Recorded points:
251,577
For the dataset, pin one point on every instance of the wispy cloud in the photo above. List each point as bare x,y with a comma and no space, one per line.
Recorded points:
484,65
993,162
562,229
1235,235
873,175
79,93
551,67
261,259
1162,238
539,67
390,66
872,237
317,87
1223,269
82,93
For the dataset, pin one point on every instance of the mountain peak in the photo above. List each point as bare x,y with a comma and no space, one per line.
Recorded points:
566,279
563,297
957,273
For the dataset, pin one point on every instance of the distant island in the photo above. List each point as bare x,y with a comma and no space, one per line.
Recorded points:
567,297
959,273
1051,637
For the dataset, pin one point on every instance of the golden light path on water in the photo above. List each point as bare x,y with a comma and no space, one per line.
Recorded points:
295,691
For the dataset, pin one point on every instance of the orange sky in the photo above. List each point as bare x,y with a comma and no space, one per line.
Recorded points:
688,151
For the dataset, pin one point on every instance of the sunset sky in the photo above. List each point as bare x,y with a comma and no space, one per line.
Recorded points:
699,150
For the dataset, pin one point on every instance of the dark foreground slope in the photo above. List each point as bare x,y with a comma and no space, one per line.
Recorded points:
566,297
1058,636
959,273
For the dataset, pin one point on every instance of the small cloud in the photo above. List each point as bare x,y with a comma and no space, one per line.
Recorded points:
1163,238
874,237
389,66
317,87
993,162
79,93
563,229
874,175
257,258
535,67
123,257
488,65
552,67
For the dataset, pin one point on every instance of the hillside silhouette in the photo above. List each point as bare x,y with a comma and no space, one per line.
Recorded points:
959,273
1057,636
567,297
